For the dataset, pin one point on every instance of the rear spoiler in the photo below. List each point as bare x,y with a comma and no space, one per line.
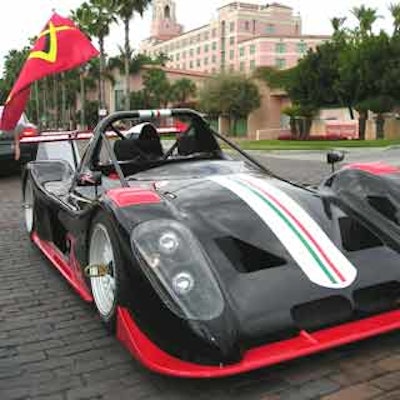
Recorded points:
57,136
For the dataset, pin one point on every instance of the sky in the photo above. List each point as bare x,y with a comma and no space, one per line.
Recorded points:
23,19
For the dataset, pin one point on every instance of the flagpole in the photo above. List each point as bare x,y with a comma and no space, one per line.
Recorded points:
63,102
36,87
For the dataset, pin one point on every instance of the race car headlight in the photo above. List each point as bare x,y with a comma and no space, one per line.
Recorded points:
176,265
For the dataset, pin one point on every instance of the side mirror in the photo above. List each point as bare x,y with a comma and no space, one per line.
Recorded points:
90,178
333,157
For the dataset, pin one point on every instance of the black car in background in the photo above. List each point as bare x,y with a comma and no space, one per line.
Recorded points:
24,128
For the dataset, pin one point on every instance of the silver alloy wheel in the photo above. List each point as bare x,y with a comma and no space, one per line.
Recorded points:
28,205
101,252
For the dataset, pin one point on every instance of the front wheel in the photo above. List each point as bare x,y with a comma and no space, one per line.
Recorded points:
104,254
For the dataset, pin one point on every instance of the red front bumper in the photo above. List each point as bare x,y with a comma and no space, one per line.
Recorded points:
159,361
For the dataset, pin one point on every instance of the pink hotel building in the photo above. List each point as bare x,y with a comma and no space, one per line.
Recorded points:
242,37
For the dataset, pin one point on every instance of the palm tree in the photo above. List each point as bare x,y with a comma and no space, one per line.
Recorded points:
366,17
337,24
95,18
182,90
395,11
125,11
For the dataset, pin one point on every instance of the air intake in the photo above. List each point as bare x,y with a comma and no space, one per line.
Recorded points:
322,313
378,298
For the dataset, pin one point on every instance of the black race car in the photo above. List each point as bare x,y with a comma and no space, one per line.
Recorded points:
202,261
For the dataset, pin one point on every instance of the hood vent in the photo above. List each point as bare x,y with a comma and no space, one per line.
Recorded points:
247,258
355,236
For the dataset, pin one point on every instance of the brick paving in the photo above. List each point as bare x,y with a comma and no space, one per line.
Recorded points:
53,346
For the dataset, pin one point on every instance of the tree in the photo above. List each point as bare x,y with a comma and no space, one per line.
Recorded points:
157,88
394,9
125,11
95,18
230,95
13,63
182,90
366,17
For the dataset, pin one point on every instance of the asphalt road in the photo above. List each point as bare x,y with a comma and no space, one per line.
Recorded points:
53,346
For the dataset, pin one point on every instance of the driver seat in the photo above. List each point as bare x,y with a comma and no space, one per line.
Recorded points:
149,142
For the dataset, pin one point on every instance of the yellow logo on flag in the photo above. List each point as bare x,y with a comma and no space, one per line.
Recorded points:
51,36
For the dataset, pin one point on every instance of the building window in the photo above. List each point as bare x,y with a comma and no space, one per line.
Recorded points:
167,12
270,30
302,47
206,36
177,56
206,48
214,33
191,65
191,52
246,25
241,51
231,67
232,54
198,37
253,49
242,66
214,59
252,64
206,61
184,54
280,48
232,40
198,50
198,63
232,26
280,63
214,45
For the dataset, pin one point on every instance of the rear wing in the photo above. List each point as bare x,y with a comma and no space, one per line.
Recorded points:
57,136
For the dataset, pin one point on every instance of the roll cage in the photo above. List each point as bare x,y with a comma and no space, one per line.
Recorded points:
203,134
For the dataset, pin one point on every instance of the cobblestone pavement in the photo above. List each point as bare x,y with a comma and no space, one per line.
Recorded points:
53,346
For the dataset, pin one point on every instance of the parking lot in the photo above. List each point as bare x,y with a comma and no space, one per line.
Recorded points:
53,346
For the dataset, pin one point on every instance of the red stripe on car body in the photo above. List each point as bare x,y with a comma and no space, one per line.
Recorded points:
124,197
306,343
376,168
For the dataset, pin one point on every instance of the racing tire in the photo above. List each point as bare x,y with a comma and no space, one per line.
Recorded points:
105,250
29,206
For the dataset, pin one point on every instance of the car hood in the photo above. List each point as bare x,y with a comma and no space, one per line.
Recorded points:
286,258
278,248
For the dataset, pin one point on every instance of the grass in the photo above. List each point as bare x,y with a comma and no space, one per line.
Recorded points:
313,144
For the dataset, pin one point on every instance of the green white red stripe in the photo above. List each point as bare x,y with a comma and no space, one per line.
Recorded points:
318,257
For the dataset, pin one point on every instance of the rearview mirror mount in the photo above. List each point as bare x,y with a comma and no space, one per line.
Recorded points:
333,157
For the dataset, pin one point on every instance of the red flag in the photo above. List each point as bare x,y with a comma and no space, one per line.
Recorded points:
60,46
